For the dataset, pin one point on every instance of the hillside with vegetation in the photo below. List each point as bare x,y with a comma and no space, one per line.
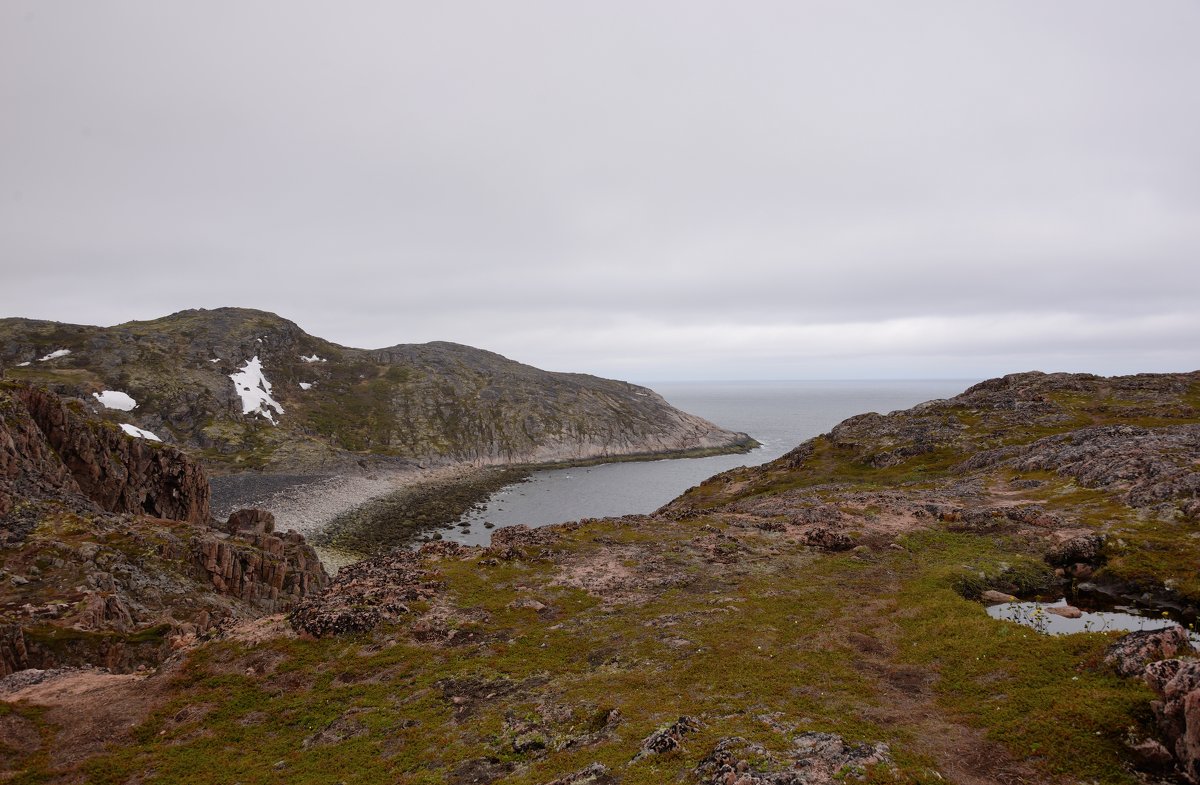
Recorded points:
249,390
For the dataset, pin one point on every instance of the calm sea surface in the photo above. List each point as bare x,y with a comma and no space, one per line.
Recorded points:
781,415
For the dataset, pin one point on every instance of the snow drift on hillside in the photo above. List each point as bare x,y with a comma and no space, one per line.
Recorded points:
115,399
255,391
133,430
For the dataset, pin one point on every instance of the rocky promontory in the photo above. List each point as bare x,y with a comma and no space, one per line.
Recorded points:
247,390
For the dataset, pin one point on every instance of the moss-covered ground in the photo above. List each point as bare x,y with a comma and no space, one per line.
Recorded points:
779,639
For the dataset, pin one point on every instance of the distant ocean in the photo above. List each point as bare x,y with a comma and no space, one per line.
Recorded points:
780,415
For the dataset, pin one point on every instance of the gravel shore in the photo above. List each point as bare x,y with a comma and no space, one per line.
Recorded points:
346,517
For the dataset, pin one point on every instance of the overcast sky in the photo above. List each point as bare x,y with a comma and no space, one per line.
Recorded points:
648,190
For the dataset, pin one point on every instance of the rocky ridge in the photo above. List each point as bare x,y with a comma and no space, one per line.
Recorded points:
301,403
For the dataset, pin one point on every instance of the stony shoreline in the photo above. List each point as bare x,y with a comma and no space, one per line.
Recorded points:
349,516
400,517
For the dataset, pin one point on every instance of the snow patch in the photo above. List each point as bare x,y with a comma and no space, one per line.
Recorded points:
313,359
22,365
215,360
133,430
255,391
305,385
54,355
115,399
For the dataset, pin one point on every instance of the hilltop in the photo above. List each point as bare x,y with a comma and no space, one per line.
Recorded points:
817,619
249,390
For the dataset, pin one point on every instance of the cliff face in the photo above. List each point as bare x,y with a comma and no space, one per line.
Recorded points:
108,555
66,449
247,389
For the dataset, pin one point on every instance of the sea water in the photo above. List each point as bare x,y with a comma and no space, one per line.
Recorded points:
779,414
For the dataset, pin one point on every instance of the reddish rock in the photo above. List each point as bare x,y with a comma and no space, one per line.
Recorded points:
1132,652
49,449
993,597
1177,711
253,520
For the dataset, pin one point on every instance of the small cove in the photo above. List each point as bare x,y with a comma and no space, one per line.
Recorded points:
779,414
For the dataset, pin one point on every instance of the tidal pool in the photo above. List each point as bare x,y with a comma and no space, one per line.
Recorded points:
1124,618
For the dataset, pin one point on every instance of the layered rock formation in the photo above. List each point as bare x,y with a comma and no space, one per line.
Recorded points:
107,550
251,390
46,445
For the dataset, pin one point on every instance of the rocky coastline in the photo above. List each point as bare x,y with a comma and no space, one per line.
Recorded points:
815,620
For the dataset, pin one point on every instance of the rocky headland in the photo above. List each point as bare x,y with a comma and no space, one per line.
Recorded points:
246,390
817,619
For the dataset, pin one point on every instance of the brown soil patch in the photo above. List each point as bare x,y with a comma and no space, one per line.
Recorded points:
92,709
626,574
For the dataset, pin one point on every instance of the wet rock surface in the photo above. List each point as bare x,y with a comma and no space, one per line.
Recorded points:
398,518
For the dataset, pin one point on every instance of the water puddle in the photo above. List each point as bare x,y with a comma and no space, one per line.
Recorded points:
1042,617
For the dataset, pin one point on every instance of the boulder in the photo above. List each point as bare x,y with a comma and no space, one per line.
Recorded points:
1130,654
1082,550
668,737
253,520
827,539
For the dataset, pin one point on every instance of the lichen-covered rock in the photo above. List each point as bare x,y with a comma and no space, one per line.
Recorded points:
827,539
668,738
1130,655
593,774
814,759
365,594
1084,549
108,548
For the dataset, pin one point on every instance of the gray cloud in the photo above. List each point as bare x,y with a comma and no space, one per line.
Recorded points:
649,190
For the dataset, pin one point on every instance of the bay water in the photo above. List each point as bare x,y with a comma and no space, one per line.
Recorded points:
779,414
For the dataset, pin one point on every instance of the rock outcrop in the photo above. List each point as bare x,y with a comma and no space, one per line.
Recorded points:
1130,655
66,450
367,593
1177,683
814,759
252,563
108,555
